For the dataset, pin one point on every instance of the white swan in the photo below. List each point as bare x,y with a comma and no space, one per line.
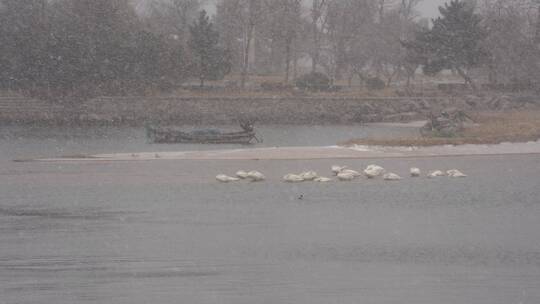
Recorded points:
242,174
455,173
322,179
255,176
336,169
309,175
436,173
349,171
415,172
293,178
391,177
346,176
373,171
226,179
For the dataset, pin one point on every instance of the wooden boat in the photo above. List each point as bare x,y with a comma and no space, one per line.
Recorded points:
172,135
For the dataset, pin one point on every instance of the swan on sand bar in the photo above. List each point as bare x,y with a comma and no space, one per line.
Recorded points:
226,179
337,169
436,173
309,175
242,174
255,176
415,172
373,171
305,176
293,178
455,173
349,171
391,177
322,179
346,176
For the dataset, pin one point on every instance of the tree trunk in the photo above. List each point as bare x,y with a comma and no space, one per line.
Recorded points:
392,75
537,34
468,80
246,57
315,51
350,79
295,61
492,74
201,75
315,15
314,61
381,11
287,59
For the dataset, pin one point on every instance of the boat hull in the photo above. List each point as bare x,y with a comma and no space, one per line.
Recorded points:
172,136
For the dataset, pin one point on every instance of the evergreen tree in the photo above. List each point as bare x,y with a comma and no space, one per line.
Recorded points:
23,39
454,42
211,61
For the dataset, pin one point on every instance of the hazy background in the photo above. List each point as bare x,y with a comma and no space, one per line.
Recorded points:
429,8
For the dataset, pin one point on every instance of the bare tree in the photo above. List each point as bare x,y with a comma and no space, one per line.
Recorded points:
512,40
246,15
285,22
317,23
395,24
173,17
346,22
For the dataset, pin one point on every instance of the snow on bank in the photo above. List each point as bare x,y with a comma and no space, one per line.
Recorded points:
531,147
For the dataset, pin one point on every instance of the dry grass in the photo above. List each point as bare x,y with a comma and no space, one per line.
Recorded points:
254,90
231,93
491,128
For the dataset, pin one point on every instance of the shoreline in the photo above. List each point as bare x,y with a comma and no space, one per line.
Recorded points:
309,153
489,128
294,110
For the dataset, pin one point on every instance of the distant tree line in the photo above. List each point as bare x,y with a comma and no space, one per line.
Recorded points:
52,48
383,40
83,48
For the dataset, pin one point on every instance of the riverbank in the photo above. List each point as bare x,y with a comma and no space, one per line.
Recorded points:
490,128
293,110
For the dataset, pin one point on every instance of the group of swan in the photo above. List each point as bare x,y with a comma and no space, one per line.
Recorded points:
254,176
305,177
449,173
372,171
341,172
455,173
347,175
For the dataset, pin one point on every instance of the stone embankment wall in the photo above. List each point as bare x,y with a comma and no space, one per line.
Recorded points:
282,110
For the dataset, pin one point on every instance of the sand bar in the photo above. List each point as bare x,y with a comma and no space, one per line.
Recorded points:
292,153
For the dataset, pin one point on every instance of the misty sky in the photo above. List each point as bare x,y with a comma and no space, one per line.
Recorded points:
429,8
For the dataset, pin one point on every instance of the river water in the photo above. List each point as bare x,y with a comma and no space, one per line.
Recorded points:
35,142
165,232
